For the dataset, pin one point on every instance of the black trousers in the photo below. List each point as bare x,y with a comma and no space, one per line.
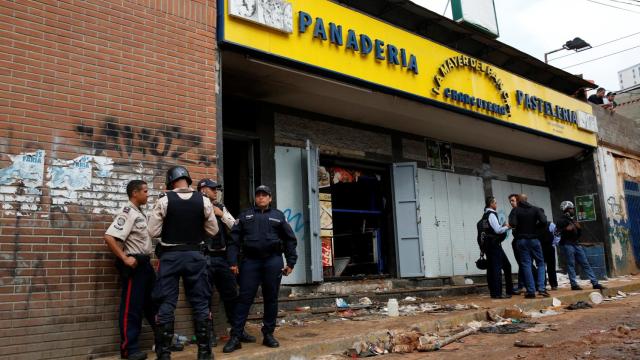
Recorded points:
135,303
267,274
191,266
224,281
497,263
549,253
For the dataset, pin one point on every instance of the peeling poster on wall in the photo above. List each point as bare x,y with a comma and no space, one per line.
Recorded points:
25,168
71,174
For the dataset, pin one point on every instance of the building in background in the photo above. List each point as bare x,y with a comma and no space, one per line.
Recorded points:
629,77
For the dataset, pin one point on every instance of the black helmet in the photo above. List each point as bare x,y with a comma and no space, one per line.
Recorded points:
177,172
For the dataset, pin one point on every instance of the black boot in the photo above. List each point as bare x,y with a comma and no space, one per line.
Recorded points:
163,339
246,338
232,345
202,337
270,341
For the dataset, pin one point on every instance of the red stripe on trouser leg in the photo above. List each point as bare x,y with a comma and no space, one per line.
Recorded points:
123,347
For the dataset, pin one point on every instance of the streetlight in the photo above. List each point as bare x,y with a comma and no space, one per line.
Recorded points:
576,44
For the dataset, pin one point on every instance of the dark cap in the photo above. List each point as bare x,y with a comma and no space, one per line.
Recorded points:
208,183
263,188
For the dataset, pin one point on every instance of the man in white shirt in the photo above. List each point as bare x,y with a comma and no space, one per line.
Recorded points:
493,235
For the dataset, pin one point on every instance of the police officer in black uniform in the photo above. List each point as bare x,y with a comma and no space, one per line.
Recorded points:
263,235
183,218
220,274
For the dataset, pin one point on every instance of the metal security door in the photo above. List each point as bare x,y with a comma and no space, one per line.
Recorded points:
407,220
312,215
632,196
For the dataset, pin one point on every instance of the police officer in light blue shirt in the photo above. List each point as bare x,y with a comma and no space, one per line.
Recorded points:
262,234
496,258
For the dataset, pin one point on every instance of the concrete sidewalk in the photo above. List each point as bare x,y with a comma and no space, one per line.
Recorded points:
332,336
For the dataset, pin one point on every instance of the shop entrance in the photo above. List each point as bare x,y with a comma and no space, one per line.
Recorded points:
356,218
239,173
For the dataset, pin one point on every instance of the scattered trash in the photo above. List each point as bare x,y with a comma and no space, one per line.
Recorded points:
622,293
543,313
579,305
365,301
476,324
538,328
527,344
596,298
623,330
392,308
468,281
506,328
514,313
303,308
410,299
556,302
341,303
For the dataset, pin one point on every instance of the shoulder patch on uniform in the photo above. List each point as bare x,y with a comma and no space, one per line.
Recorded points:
126,209
121,220
161,195
249,216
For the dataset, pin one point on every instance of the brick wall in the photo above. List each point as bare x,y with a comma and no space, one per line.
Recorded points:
92,94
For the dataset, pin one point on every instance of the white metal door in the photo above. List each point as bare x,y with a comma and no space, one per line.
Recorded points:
407,220
290,191
451,206
538,196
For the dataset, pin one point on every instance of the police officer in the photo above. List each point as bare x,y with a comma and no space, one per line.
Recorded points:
220,274
183,218
262,234
136,273
496,258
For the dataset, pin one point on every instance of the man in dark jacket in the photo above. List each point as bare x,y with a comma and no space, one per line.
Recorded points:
527,220
570,231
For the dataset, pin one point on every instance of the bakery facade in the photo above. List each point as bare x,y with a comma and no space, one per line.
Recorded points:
381,144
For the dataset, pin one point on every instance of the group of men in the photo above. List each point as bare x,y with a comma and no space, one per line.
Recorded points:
202,243
534,243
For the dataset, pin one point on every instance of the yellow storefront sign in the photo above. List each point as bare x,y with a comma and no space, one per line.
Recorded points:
326,35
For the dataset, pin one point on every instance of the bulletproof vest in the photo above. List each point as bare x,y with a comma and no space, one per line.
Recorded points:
184,222
219,241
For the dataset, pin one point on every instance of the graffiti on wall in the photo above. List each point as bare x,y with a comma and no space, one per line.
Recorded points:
615,205
169,141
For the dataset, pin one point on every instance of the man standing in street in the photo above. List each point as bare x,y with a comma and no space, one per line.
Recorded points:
527,220
220,274
128,239
182,218
262,234
570,232
494,235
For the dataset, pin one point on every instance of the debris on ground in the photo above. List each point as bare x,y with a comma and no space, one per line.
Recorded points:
596,298
527,344
543,313
538,328
365,301
579,305
341,303
555,302
623,330
506,328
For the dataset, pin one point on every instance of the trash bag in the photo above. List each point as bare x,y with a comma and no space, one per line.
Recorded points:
506,328
579,305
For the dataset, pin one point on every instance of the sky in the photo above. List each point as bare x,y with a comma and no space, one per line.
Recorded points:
539,26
